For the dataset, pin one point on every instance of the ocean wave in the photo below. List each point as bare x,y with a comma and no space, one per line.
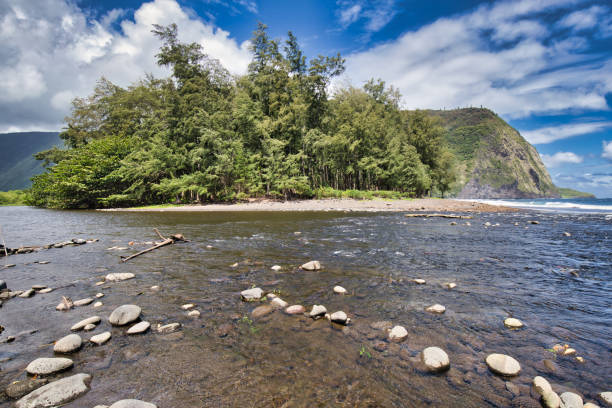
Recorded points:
551,205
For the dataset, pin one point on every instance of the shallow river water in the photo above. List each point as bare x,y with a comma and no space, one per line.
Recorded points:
223,359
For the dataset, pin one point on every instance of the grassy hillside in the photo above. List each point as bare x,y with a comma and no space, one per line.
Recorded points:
570,193
17,164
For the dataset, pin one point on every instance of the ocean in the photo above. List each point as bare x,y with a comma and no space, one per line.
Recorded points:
567,205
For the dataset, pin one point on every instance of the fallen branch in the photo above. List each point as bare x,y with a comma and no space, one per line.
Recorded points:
166,241
467,217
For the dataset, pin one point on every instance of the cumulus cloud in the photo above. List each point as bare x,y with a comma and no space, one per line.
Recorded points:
504,56
560,158
607,150
51,52
552,133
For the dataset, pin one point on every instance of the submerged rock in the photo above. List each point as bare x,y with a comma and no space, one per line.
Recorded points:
398,333
311,266
435,359
20,388
382,325
101,338
46,366
261,311
124,314
118,277
252,294
56,393
139,328
503,364
132,403
68,344
90,320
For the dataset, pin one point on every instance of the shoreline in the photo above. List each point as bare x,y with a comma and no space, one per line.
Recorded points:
342,205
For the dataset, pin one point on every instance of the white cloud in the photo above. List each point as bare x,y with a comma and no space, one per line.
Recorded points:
350,15
584,19
553,133
50,52
607,150
560,158
375,14
500,56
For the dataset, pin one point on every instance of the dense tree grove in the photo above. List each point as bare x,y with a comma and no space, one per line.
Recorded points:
203,135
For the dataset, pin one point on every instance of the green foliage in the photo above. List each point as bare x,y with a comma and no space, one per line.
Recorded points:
13,197
571,193
203,135
364,352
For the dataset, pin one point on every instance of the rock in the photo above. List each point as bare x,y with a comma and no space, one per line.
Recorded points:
188,306
339,317
279,303
28,293
132,403
311,266
419,281
317,311
45,290
90,320
580,359
3,285
513,388
100,283
139,328
590,405
541,386
435,359
20,388
380,346
567,234
168,328
39,287
487,224
99,295
83,302
339,290
534,222
453,223
101,338
194,313
224,329
503,364
513,323
439,309
118,277
252,294
56,393
606,398
558,348
571,400
295,309
569,352
550,399
271,296
451,285
398,333
124,314
68,344
65,304
98,304
382,325
78,241
261,311
46,366
276,268
154,288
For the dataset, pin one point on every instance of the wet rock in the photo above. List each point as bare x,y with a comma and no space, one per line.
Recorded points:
65,304
83,302
252,294
124,315
276,268
46,366
3,285
45,290
339,317
541,386
261,311
571,400
317,311
382,325
188,306
550,366
503,364
534,222
68,344
18,389
606,398
39,287
439,309
139,328
99,295
419,281
590,405
194,313
78,241
525,402
56,393
513,323
451,285
339,290
550,399
28,293
118,277
311,266
132,403
168,328
398,333
513,388
98,304
380,346
435,359
279,303
224,329
295,309
90,320
100,339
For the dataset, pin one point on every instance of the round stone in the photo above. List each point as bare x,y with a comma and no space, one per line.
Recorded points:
339,317
513,323
68,344
251,294
295,309
101,338
317,311
435,359
56,393
311,266
46,366
124,315
279,303
571,400
439,309
139,328
132,403
261,311
90,320
398,333
503,364
83,302
339,290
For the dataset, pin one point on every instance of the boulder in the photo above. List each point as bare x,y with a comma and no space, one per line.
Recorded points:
435,359
90,320
132,403
124,314
68,344
118,277
311,266
571,400
139,328
46,366
251,294
503,364
56,393
101,338
398,333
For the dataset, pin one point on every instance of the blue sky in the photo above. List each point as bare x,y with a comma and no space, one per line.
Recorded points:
545,66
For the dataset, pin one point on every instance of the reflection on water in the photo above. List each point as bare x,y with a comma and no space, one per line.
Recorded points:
222,359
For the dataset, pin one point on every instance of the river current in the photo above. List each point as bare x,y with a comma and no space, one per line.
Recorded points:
560,287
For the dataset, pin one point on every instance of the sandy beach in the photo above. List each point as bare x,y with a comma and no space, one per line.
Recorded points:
424,204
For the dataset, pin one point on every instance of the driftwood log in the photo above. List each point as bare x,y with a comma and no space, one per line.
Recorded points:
467,217
165,241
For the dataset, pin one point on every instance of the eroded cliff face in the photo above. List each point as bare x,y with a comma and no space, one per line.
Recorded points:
495,161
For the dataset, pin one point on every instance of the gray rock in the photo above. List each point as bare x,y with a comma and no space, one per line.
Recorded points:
317,311
78,241
3,285
339,317
118,277
398,333
132,403
20,388
279,303
90,320
124,315
311,266
503,364
101,338
435,359
28,293
571,400
46,366
139,328
56,393
83,302
68,344
251,294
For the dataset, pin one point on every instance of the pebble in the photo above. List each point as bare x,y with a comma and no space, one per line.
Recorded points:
419,281
46,366
132,403
118,277
139,328
155,288
534,222
513,323
28,293
56,393
99,295
311,266
551,399
439,309
100,283
503,364
276,268
168,328
339,317
18,389
83,302
98,304
279,303
339,290
569,352
68,344
295,309
45,290
606,397
194,313
271,296
435,359
317,311
571,400
398,333
251,294
101,338
124,314
261,311
90,320
451,285
188,306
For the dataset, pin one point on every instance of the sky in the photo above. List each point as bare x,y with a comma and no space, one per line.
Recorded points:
545,66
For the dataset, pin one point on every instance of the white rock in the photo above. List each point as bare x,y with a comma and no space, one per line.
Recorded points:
513,323
451,285
132,403
56,393
124,314
419,281
188,306
606,397
168,328
45,290
276,268
90,320
101,338
503,364
98,304
439,309
46,366
590,405
398,333
339,290
318,311
118,277
311,266
89,327
83,302
139,328
435,359
194,313
155,288
252,294
295,309
99,295
541,385
569,352
279,303
68,344
571,400
339,317
551,399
